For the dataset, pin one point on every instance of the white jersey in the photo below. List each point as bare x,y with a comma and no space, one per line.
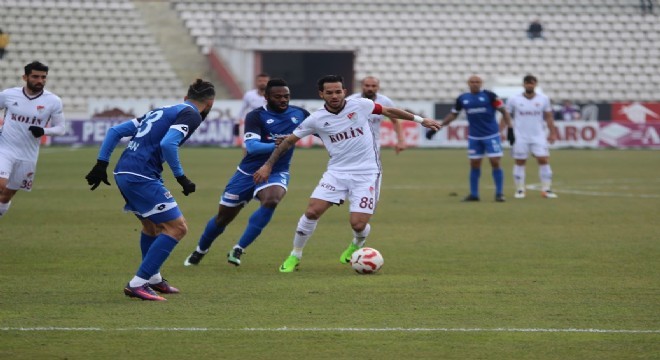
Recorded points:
374,118
347,137
21,112
528,116
251,101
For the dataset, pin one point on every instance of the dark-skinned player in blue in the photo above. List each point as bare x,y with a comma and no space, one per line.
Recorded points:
265,127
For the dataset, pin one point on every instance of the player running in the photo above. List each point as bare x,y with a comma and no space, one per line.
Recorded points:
28,110
354,167
156,138
265,127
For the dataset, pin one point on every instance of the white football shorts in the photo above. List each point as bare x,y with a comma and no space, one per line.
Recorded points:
521,149
19,172
362,190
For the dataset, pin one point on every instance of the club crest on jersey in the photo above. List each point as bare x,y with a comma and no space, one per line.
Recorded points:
41,108
294,120
351,115
481,98
270,121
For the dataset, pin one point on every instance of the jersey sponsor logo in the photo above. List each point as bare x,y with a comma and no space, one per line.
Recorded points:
479,110
26,119
530,113
349,134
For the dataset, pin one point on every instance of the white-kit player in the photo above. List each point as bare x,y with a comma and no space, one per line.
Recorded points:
529,111
370,88
28,110
354,167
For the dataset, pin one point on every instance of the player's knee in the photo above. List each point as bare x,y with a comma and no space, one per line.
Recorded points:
358,225
271,202
176,229
311,214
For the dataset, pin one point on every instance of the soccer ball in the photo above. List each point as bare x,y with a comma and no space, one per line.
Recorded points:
366,260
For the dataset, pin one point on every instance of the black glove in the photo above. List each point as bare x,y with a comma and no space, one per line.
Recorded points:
187,185
430,133
36,131
510,136
98,174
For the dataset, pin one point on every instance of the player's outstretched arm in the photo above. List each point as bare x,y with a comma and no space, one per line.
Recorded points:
402,114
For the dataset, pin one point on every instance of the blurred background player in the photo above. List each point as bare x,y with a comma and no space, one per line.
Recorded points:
483,133
252,99
370,87
354,168
265,127
28,110
529,110
156,138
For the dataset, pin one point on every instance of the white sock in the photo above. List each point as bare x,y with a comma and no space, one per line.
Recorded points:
361,237
545,173
137,281
304,231
4,208
202,251
519,176
155,279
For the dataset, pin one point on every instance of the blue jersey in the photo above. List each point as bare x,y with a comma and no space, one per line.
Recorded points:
264,125
156,136
480,110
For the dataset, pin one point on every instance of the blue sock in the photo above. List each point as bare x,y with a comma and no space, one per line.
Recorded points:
498,177
474,181
258,221
145,243
211,232
156,256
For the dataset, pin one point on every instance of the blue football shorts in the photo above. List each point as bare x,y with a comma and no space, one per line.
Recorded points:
148,199
241,187
491,146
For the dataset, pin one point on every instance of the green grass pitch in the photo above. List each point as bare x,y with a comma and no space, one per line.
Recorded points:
573,278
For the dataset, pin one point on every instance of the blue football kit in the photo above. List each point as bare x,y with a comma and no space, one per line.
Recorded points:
483,130
262,128
483,134
156,137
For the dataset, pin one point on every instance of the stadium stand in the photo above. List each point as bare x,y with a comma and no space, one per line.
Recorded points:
594,50
95,49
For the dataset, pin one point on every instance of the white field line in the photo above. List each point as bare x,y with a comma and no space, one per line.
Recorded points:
291,329
560,191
